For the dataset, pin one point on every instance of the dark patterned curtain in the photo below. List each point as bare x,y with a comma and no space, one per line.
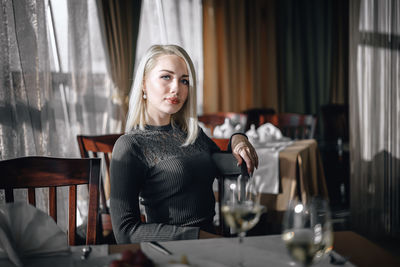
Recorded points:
375,117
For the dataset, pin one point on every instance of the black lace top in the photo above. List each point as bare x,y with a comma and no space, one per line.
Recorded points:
174,184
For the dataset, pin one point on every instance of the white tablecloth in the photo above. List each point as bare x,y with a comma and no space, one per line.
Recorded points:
256,252
267,174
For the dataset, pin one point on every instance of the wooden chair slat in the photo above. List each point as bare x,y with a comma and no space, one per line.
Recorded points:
32,196
92,217
72,215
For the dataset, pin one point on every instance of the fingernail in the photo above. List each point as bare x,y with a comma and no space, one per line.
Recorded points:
237,164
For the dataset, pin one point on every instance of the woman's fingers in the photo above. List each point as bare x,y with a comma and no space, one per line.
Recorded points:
238,158
248,154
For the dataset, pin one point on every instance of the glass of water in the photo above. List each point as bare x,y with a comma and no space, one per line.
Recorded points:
307,230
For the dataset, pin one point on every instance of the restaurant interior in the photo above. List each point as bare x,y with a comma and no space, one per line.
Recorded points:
315,86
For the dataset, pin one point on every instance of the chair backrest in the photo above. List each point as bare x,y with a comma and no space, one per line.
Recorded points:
211,120
99,146
253,115
37,172
293,125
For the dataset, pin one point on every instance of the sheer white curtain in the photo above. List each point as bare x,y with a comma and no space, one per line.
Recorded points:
375,116
174,22
53,80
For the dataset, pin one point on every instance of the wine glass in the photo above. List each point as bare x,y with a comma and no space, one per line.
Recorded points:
241,206
307,230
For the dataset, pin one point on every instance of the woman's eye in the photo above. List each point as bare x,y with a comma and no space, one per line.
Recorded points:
185,81
166,77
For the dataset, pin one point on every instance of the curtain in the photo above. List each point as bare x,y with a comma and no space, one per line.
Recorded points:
120,24
375,117
313,56
174,22
53,82
312,37
26,117
239,55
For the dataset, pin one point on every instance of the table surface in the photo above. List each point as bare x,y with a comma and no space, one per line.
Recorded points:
361,251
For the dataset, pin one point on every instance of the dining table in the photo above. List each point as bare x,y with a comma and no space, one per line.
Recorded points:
349,249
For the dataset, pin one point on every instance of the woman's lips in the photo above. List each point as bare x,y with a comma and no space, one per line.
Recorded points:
173,100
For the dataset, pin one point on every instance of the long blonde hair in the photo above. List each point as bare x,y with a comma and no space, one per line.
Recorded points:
186,117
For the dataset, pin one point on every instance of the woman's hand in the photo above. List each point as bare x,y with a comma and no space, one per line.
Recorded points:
243,150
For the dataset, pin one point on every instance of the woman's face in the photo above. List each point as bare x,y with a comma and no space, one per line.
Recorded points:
166,86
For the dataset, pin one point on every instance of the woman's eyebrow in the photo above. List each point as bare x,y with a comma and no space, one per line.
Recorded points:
170,71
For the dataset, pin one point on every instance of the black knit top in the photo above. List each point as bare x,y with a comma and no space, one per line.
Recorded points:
173,183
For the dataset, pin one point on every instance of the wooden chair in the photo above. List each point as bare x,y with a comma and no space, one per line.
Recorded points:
253,115
101,146
214,119
293,125
222,143
36,172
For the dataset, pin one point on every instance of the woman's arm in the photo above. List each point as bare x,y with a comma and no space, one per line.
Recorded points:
242,149
127,173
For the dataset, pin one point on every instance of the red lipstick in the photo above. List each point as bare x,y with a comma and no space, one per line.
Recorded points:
173,100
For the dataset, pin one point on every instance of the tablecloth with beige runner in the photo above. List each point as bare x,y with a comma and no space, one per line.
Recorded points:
301,174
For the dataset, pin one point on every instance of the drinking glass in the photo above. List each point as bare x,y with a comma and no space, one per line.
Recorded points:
241,206
307,230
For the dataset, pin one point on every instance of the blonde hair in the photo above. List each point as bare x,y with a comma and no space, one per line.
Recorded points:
186,117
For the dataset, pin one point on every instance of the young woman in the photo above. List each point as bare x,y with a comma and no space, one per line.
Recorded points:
164,159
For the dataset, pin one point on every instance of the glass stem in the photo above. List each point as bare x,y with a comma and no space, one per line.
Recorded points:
240,248
241,237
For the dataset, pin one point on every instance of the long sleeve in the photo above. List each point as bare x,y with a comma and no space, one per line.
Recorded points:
128,174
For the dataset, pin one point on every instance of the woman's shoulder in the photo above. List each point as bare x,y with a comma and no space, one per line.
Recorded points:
137,137
129,145
128,140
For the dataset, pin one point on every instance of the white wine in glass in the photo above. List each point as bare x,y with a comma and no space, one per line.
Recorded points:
307,231
242,217
241,206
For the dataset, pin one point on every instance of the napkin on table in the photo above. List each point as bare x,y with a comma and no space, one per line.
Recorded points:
226,129
26,231
268,132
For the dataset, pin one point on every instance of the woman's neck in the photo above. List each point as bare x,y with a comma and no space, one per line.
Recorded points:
158,120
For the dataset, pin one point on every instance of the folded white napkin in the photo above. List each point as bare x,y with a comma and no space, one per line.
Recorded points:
267,174
26,231
252,134
268,132
268,142
227,129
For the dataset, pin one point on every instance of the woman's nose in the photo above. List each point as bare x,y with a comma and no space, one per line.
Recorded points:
174,88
